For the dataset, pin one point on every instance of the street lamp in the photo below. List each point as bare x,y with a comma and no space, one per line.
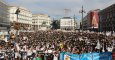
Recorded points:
82,12
112,29
74,23
17,12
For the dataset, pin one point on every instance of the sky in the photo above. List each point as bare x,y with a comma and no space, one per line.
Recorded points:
55,8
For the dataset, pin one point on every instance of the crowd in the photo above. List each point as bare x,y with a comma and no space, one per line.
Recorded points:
46,45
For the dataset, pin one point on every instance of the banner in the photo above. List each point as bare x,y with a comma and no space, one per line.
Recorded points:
83,57
86,56
62,55
95,19
113,56
95,56
73,56
106,56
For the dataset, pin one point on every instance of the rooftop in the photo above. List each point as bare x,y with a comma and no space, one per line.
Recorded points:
66,18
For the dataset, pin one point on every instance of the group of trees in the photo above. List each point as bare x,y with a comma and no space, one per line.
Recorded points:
55,24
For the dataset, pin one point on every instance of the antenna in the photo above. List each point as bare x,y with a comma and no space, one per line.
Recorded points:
66,12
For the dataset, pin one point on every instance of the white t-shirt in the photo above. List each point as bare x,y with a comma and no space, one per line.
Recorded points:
17,46
38,47
29,52
50,51
24,47
34,51
109,49
55,57
21,50
2,53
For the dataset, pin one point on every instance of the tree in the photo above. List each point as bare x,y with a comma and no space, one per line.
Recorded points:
43,23
55,24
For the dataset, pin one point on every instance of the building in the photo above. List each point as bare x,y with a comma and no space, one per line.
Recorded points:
107,19
68,23
4,15
41,22
90,21
23,19
86,22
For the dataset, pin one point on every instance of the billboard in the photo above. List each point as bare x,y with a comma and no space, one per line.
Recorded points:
94,20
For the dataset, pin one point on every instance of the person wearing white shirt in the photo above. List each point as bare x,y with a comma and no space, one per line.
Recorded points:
21,53
25,47
29,54
55,57
17,48
24,54
110,49
34,50
1,55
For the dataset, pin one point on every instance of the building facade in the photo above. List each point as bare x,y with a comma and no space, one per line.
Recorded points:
23,19
67,23
107,19
86,22
91,20
41,22
4,15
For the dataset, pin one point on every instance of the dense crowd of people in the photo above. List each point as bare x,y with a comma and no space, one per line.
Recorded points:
46,45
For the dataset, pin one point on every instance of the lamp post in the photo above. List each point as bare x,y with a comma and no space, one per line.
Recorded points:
82,12
34,26
17,13
112,28
74,23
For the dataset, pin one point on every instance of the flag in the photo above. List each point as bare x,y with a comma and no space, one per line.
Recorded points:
69,56
86,56
61,45
66,57
6,39
103,49
17,11
95,56
2,35
61,55
98,45
105,56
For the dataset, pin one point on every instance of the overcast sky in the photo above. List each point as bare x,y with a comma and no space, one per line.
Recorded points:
55,8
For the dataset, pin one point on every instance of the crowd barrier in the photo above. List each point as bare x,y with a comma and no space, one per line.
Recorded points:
86,56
